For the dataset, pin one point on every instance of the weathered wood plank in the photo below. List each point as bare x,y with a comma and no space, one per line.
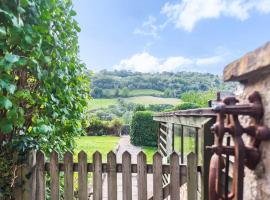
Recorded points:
82,175
29,177
54,175
191,176
182,144
142,176
126,176
112,176
163,132
68,179
189,119
97,176
175,174
40,194
157,177
206,139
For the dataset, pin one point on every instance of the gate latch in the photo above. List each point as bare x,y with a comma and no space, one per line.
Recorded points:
228,111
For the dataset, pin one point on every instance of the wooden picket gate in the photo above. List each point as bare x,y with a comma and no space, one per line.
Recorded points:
38,171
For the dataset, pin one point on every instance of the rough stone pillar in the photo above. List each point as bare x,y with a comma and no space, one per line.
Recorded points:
253,73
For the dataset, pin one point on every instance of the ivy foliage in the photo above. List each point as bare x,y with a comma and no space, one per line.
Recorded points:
43,87
143,129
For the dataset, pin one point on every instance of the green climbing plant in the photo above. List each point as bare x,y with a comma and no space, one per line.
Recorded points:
43,87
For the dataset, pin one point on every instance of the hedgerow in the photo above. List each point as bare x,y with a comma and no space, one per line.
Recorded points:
43,87
143,129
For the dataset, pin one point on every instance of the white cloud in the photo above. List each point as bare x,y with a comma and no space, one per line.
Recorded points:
150,27
187,13
145,62
209,60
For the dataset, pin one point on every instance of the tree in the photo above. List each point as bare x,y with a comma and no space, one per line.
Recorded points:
125,92
43,87
199,98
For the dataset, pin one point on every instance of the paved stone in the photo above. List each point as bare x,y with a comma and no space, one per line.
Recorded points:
124,145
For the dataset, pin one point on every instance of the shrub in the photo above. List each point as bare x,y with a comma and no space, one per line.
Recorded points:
143,129
199,98
102,127
186,106
43,88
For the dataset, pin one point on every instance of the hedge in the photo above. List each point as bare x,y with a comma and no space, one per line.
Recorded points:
143,129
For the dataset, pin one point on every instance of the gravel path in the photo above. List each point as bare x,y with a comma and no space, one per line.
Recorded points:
124,145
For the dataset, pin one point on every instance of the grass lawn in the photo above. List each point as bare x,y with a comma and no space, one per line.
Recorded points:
189,144
149,151
101,103
90,144
146,100
145,92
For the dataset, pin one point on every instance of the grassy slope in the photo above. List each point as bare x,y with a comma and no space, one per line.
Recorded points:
139,92
101,103
90,144
146,100
145,92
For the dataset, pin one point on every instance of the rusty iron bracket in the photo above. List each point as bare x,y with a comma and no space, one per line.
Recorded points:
228,112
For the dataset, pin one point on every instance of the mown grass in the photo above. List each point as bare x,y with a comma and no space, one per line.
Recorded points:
145,92
189,144
91,144
146,100
101,103
149,151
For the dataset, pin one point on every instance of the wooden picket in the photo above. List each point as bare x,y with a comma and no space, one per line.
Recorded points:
178,175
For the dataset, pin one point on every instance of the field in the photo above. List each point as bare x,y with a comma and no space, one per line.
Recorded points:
90,144
146,92
146,100
101,103
132,93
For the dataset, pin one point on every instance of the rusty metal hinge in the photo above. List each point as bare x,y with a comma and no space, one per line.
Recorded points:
228,112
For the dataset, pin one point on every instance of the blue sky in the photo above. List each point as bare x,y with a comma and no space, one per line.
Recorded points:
163,35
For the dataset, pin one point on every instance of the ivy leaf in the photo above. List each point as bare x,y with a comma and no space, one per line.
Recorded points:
28,39
73,13
6,128
11,58
5,102
2,32
11,88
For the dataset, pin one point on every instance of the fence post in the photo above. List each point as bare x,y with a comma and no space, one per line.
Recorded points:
97,176
54,174
68,176
175,176
112,176
142,176
207,139
192,176
40,193
26,178
126,176
157,177
82,175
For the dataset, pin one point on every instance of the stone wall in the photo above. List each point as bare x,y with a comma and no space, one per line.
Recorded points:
257,182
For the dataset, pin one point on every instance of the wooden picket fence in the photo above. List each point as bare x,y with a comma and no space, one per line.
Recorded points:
40,169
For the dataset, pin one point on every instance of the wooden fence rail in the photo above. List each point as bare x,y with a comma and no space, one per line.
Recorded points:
51,169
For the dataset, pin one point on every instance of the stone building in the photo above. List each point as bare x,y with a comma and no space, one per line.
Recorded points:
252,71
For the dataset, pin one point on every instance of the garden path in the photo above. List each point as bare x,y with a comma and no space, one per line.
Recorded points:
125,145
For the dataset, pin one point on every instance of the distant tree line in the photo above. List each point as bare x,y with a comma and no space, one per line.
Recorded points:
171,84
